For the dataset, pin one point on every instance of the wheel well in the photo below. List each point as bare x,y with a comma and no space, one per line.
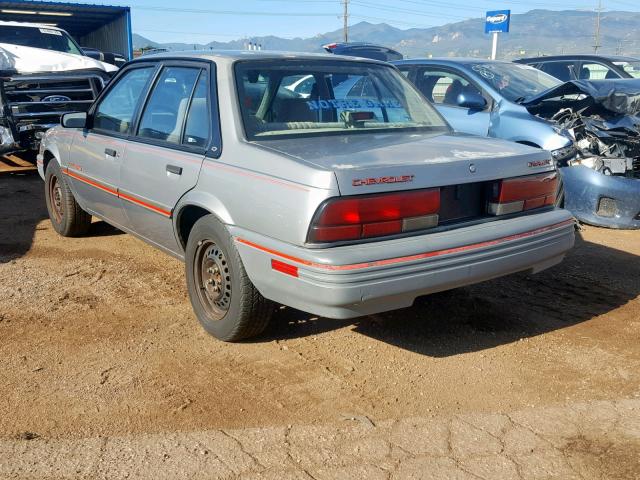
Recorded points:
187,218
46,159
530,144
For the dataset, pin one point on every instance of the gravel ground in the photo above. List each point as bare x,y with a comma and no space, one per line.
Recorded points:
104,370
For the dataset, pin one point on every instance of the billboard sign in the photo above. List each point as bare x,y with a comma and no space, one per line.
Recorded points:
497,21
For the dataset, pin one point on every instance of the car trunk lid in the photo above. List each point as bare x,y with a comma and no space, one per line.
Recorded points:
372,163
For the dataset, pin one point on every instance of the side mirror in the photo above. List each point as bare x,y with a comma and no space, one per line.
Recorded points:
74,120
471,100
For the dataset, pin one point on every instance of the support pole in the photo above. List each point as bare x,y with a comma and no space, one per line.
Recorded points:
494,46
345,18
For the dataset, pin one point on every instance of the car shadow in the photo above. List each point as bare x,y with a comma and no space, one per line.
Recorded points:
592,280
101,228
22,209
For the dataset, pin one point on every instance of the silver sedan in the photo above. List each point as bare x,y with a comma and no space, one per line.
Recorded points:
350,198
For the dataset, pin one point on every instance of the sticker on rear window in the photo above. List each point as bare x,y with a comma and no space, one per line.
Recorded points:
48,31
351,103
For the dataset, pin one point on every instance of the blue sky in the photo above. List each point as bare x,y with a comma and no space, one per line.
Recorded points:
202,21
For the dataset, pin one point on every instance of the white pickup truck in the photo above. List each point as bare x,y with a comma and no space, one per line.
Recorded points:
43,74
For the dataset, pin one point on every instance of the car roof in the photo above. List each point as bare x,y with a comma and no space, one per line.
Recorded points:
445,61
611,58
235,55
30,25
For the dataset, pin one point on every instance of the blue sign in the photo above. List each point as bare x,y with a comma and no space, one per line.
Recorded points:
497,21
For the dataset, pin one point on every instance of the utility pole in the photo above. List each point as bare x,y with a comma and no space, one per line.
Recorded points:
596,44
345,17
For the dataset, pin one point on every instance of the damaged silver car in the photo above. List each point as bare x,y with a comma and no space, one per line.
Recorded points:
600,116
590,127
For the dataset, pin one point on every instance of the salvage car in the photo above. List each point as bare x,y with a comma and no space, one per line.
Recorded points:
586,67
43,74
590,127
310,201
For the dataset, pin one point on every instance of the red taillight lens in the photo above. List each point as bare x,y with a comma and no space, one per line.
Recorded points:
524,193
365,216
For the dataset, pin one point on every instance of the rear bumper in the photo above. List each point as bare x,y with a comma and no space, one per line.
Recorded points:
351,281
584,188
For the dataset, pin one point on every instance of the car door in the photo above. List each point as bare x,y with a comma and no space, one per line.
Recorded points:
441,86
96,154
164,156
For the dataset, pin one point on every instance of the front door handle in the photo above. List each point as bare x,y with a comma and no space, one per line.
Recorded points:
111,152
174,169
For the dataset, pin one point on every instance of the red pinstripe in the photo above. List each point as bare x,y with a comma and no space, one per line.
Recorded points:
117,193
410,258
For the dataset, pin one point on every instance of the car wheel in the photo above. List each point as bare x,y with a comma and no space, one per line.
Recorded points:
225,301
67,218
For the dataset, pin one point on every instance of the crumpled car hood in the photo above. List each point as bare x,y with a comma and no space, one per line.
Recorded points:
16,58
618,97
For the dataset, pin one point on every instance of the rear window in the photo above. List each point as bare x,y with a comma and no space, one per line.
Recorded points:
326,97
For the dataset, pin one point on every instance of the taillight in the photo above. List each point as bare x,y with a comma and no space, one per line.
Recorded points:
523,193
365,216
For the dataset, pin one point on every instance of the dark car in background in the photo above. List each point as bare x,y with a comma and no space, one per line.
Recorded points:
107,57
364,50
586,67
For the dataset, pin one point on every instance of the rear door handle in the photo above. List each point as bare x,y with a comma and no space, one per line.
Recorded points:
111,152
174,169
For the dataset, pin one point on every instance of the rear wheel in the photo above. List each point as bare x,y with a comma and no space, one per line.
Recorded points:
67,218
225,301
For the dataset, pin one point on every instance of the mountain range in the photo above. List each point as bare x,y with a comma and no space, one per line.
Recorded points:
532,33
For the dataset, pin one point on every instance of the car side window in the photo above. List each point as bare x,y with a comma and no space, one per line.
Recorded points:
164,114
596,71
196,131
441,87
561,70
115,111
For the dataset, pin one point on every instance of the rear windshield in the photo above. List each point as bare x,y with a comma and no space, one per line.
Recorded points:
631,67
38,37
302,98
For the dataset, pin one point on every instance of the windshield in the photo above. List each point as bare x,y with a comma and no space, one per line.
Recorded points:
632,68
47,38
290,97
514,81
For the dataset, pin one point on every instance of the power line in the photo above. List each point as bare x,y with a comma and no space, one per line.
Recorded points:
233,12
380,19
405,10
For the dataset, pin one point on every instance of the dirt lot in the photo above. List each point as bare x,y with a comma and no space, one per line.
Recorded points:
97,340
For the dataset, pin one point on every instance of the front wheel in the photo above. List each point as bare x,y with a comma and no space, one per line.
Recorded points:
225,301
67,217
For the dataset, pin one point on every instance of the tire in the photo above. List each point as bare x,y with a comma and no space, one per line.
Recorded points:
560,196
227,304
66,216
